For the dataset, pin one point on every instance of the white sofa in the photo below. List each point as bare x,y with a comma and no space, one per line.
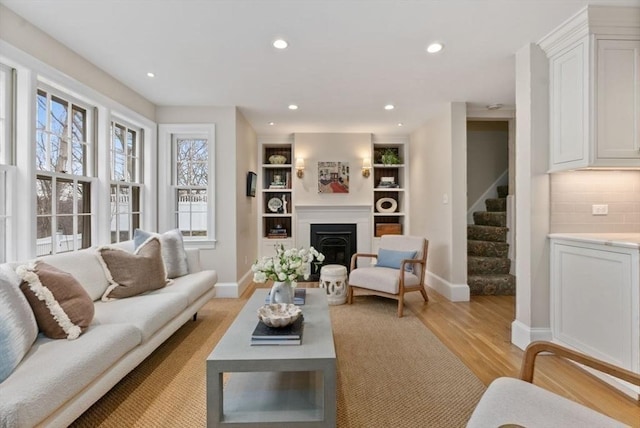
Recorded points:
59,379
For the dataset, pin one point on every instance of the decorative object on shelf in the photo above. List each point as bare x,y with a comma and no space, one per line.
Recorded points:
252,182
274,205
300,167
366,167
284,204
386,205
387,183
278,232
277,182
333,177
277,159
279,314
287,265
390,157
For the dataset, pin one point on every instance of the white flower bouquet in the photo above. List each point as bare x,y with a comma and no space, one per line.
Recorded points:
287,265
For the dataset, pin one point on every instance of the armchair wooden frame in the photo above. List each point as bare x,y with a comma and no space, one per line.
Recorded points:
402,289
534,348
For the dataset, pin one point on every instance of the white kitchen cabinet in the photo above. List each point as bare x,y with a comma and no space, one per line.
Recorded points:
594,73
595,298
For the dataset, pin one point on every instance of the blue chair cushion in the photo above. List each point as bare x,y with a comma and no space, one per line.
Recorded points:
393,259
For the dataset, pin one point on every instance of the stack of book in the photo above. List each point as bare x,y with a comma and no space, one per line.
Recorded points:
289,335
277,233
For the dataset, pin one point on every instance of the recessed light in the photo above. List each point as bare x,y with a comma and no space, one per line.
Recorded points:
389,107
496,106
280,44
150,74
434,47
271,123
400,124
293,107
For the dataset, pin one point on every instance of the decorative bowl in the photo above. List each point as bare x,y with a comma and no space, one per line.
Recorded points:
279,314
277,159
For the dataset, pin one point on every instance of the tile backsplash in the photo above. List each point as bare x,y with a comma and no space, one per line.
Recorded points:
574,193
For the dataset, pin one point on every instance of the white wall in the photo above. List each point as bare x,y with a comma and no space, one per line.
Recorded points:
316,148
246,207
532,197
438,197
30,39
487,156
223,257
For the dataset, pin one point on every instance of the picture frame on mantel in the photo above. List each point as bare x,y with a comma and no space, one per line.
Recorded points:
252,183
333,177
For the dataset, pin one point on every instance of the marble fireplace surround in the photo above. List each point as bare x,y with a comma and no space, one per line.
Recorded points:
360,215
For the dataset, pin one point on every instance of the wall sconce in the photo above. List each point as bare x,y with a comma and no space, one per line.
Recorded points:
300,167
366,167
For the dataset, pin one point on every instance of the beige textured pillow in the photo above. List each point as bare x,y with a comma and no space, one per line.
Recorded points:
62,307
132,274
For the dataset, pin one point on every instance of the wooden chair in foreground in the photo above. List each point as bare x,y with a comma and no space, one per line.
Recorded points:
400,266
517,402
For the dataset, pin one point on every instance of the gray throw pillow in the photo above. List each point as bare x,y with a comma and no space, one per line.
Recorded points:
18,328
173,253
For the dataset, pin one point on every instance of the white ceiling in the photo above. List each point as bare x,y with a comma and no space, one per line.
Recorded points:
346,58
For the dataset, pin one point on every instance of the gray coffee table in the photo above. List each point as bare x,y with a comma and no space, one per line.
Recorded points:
274,386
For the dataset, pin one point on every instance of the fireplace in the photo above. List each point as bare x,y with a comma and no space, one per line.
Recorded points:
338,242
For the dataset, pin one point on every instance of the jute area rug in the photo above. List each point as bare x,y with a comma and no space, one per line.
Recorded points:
392,372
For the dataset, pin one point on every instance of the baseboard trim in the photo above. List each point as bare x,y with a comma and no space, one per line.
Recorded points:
453,292
234,289
522,335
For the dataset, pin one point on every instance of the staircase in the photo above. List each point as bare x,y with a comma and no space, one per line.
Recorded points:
488,264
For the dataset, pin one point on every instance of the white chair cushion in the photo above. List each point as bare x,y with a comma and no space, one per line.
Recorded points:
513,401
381,279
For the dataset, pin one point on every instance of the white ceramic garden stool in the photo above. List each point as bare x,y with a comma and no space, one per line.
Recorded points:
333,278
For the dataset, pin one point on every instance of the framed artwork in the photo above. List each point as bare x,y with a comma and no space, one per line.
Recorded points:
252,182
333,177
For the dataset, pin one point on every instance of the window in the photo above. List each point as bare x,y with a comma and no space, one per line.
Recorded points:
126,162
191,180
6,161
63,164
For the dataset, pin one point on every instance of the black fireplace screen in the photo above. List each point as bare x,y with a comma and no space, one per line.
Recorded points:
338,242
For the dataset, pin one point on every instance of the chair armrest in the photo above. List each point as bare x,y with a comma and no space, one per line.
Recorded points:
534,348
354,258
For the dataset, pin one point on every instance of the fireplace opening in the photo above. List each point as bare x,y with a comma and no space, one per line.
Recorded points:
338,242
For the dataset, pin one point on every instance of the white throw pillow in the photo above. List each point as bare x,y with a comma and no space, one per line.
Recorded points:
18,328
173,253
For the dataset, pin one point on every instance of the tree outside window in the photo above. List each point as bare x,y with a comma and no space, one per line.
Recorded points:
191,183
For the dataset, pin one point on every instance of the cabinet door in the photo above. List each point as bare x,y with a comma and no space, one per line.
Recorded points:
618,100
569,108
593,302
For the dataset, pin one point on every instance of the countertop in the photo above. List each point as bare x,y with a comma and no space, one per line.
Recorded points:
626,240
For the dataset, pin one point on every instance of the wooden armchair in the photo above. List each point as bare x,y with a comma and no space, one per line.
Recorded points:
400,268
517,402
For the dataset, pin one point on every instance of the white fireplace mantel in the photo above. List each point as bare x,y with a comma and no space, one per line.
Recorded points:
306,215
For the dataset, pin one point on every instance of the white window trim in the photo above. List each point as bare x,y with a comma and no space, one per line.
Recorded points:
8,191
166,194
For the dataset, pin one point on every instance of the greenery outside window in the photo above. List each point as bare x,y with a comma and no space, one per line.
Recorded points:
191,180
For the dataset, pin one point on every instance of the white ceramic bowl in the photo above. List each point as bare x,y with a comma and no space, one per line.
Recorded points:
279,314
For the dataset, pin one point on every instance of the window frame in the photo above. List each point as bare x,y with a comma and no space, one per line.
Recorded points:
167,199
135,208
86,179
7,161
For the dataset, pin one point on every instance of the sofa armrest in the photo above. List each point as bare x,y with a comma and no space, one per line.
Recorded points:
193,259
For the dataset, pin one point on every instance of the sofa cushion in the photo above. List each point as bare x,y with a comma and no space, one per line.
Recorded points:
18,328
132,274
173,253
148,313
55,370
381,278
193,286
85,267
62,307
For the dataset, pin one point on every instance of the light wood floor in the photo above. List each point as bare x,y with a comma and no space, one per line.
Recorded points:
478,332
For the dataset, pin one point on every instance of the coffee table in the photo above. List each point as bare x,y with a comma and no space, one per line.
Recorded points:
274,385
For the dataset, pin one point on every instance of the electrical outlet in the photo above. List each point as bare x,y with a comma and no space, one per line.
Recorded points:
600,209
